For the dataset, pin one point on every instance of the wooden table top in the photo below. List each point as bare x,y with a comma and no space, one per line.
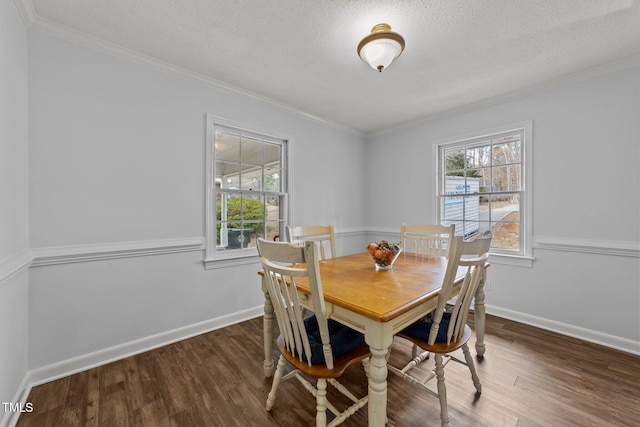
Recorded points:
352,282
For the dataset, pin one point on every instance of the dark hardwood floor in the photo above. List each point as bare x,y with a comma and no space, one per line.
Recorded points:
530,377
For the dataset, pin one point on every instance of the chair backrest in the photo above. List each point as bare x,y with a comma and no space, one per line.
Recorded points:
283,263
473,255
320,234
428,239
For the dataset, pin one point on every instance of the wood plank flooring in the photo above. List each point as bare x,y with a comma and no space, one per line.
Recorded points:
530,377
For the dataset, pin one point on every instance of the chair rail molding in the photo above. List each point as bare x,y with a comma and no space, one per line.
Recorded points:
12,265
98,252
601,247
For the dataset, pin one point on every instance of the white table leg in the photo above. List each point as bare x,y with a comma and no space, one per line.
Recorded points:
379,343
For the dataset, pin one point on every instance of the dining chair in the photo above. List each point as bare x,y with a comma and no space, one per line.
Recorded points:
316,347
427,239
322,235
444,332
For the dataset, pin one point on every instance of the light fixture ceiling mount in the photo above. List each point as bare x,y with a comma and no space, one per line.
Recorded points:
380,48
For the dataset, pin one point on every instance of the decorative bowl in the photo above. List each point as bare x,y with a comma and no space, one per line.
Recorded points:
384,254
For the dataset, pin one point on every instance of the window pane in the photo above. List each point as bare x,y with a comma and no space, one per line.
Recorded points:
227,175
506,152
506,178
469,229
243,221
471,215
253,211
272,179
228,215
227,146
452,208
454,162
472,183
251,151
456,185
273,230
274,223
272,169
505,220
251,177
478,156
272,154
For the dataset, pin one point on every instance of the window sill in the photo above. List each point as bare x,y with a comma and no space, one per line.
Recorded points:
247,257
515,261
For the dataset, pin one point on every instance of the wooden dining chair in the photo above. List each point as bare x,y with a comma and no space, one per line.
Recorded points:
322,235
427,239
446,331
316,347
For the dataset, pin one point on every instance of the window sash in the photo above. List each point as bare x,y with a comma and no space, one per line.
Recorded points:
258,170
491,156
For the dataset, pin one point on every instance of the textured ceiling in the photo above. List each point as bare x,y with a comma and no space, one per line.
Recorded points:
301,54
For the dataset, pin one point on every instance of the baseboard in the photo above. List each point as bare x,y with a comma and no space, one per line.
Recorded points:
101,357
611,341
10,419
81,363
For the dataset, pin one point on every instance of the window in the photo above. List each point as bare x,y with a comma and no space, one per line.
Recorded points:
246,189
482,186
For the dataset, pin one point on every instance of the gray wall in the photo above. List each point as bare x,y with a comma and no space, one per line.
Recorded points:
14,207
586,152
102,188
117,156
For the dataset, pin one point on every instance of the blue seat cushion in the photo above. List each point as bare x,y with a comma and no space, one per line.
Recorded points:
422,328
342,338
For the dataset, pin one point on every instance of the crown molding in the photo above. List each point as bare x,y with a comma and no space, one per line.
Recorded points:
33,21
27,11
578,76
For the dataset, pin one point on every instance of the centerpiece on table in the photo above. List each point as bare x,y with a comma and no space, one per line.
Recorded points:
384,254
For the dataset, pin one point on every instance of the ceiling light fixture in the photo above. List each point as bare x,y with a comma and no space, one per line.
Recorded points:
380,48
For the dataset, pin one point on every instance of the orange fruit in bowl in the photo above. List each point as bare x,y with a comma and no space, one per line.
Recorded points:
372,248
378,254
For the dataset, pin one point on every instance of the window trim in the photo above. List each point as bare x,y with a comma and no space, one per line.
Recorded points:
219,259
525,258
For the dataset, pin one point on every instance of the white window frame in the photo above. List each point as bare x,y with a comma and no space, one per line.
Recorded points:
523,257
213,257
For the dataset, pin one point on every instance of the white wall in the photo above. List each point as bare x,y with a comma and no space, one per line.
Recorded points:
14,208
586,152
117,155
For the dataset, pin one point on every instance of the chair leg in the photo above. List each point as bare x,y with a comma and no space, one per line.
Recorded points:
321,403
271,399
442,391
417,351
472,368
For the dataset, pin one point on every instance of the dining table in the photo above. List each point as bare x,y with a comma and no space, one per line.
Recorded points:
378,303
